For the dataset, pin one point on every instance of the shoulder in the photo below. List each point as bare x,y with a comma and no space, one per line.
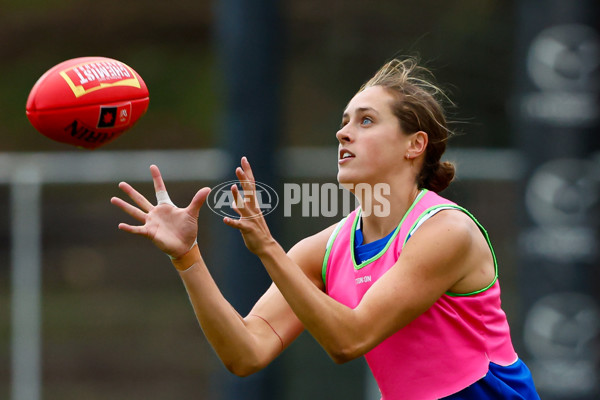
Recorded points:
451,224
448,236
454,244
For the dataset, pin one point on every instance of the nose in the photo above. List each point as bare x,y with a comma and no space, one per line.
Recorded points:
343,134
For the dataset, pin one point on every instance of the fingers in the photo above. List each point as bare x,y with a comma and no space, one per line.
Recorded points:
245,204
129,209
137,197
245,175
247,169
136,230
245,199
162,196
198,201
234,223
246,178
159,184
238,201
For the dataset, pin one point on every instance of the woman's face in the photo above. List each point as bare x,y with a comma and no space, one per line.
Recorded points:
371,142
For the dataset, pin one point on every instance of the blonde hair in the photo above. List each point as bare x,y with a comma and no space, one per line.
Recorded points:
418,107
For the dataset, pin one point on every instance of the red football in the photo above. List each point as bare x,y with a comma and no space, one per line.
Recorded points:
87,102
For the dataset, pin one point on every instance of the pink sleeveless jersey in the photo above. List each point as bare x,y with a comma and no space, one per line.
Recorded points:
442,351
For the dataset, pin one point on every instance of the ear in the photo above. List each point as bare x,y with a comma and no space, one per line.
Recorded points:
418,144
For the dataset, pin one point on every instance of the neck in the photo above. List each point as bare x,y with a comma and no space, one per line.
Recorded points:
383,209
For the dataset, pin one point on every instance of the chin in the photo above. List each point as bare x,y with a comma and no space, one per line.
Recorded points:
346,181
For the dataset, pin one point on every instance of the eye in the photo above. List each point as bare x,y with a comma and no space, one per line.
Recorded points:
366,121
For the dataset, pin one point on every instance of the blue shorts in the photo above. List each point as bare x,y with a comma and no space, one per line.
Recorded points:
513,382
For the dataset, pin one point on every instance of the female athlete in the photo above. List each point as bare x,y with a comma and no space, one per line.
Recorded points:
408,280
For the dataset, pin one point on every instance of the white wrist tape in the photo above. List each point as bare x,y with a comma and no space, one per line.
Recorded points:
162,197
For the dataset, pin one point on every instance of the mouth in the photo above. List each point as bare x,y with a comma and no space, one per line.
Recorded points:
345,155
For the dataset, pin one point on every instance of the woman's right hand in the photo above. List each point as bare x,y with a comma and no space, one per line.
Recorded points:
172,229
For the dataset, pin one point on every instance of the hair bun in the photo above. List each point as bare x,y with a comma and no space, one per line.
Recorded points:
439,177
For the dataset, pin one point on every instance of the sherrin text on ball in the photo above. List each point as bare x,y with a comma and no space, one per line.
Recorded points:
87,102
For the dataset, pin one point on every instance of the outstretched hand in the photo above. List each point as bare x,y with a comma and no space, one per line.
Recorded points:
251,224
172,229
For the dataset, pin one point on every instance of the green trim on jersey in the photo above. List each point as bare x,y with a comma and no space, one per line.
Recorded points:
481,228
353,232
376,256
329,246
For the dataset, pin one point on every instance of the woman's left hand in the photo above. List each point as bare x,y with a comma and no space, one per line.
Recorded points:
251,224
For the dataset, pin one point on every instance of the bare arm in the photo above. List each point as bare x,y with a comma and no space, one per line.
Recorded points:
438,257
245,345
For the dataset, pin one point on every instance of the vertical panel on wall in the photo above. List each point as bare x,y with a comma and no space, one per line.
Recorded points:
556,112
